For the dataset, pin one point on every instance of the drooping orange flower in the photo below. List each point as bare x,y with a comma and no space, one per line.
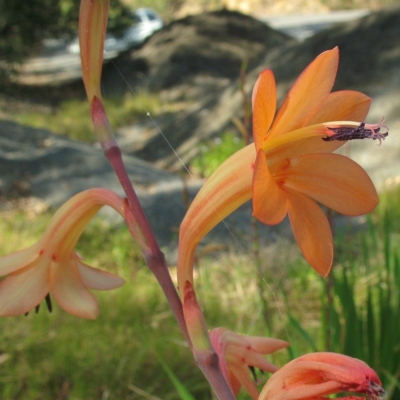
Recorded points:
52,265
237,353
289,168
315,375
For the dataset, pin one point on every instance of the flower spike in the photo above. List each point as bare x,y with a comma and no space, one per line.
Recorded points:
52,265
315,375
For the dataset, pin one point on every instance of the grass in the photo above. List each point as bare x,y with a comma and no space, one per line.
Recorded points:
365,313
214,152
72,117
121,354
57,356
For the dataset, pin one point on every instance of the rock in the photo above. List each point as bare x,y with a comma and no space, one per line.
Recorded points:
36,163
369,62
214,44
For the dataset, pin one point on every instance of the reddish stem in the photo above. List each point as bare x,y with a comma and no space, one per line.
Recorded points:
155,257
156,262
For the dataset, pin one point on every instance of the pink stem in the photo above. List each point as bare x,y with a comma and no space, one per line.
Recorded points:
155,257
209,365
156,262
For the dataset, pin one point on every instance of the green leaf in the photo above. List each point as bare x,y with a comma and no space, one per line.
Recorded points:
184,394
302,331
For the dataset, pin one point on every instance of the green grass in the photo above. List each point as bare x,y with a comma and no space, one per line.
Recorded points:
365,312
214,152
117,356
57,356
72,117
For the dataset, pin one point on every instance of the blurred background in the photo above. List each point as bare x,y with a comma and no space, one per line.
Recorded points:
177,80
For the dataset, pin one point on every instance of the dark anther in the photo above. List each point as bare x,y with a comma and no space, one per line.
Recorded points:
48,304
253,372
364,131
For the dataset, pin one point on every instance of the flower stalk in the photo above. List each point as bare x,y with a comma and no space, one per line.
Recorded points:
138,224
203,351
92,31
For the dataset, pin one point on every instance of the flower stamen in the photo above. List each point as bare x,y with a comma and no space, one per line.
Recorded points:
48,304
253,372
363,131
375,392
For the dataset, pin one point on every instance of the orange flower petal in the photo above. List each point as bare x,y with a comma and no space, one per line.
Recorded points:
307,94
259,361
316,375
309,141
264,106
23,290
333,180
70,292
345,105
18,260
311,230
269,201
238,352
241,373
234,383
228,188
266,345
97,279
279,156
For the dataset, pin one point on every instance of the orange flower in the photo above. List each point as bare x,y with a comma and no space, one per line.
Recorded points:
52,265
237,353
314,375
289,167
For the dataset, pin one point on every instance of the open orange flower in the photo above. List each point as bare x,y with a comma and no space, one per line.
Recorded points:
237,353
52,265
315,375
289,167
